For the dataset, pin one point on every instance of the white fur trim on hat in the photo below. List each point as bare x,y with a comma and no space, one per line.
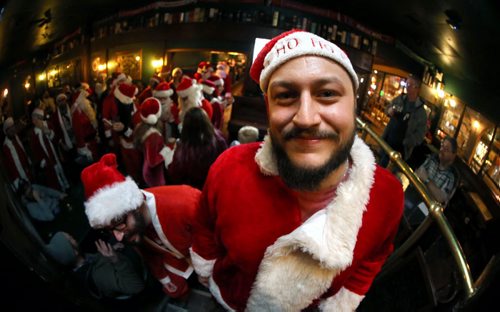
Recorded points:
192,90
163,93
113,201
152,119
122,97
300,44
207,89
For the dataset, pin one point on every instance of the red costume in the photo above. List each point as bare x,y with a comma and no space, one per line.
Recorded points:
251,235
16,161
46,159
166,251
85,135
156,156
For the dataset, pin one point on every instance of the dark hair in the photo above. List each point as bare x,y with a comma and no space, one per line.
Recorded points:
453,143
197,130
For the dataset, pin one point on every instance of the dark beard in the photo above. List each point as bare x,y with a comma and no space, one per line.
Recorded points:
139,228
309,178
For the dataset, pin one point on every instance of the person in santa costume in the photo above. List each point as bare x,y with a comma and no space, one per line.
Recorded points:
45,156
147,137
223,72
122,126
110,110
302,219
158,220
148,91
190,95
15,160
169,111
85,128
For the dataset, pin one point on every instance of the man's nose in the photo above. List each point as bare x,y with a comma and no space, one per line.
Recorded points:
118,235
307,114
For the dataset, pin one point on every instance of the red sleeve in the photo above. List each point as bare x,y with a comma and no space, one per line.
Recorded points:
207,107
152,146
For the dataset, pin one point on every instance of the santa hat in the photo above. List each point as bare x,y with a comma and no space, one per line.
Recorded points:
119,78
155,79
38,112
292,44
163,90
187,87
109,195
150,110
207,86
218,81
9,122
203,66
61,97
125,93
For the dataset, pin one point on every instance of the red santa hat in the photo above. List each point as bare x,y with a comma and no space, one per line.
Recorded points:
207,86
292,44
187,87
61,97
155,79
163,90
203,66
118,78
150,110
218,81
109,195
125,93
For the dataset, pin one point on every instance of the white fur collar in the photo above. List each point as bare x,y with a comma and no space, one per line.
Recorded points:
148,133
299,267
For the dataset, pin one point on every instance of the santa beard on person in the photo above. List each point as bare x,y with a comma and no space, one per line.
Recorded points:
193,99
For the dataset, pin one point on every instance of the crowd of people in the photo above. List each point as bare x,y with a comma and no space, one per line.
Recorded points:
299,220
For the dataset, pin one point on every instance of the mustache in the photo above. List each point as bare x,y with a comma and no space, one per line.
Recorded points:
298,133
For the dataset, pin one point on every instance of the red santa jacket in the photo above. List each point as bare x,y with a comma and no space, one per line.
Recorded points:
156,156
250,236
172,210
85,133
16,161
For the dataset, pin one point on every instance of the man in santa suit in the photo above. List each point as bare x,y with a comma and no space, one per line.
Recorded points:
148,91
157,156
211,93
16,161
190,95
169,111
121,125
223,72
306,221
85,128
45,157
110,108
158,220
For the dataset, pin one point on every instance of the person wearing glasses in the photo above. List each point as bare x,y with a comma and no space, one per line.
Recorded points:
408,122
157,220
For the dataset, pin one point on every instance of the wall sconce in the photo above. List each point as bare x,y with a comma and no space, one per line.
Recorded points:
42,77
101,67
157,63
137,58
476,125
5,93
27,85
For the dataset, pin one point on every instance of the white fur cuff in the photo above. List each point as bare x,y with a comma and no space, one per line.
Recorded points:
344,300
201,266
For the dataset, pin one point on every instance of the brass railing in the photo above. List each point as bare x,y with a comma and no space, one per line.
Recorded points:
435,212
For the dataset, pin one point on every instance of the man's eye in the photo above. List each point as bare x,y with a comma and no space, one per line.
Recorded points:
327,93
285,95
